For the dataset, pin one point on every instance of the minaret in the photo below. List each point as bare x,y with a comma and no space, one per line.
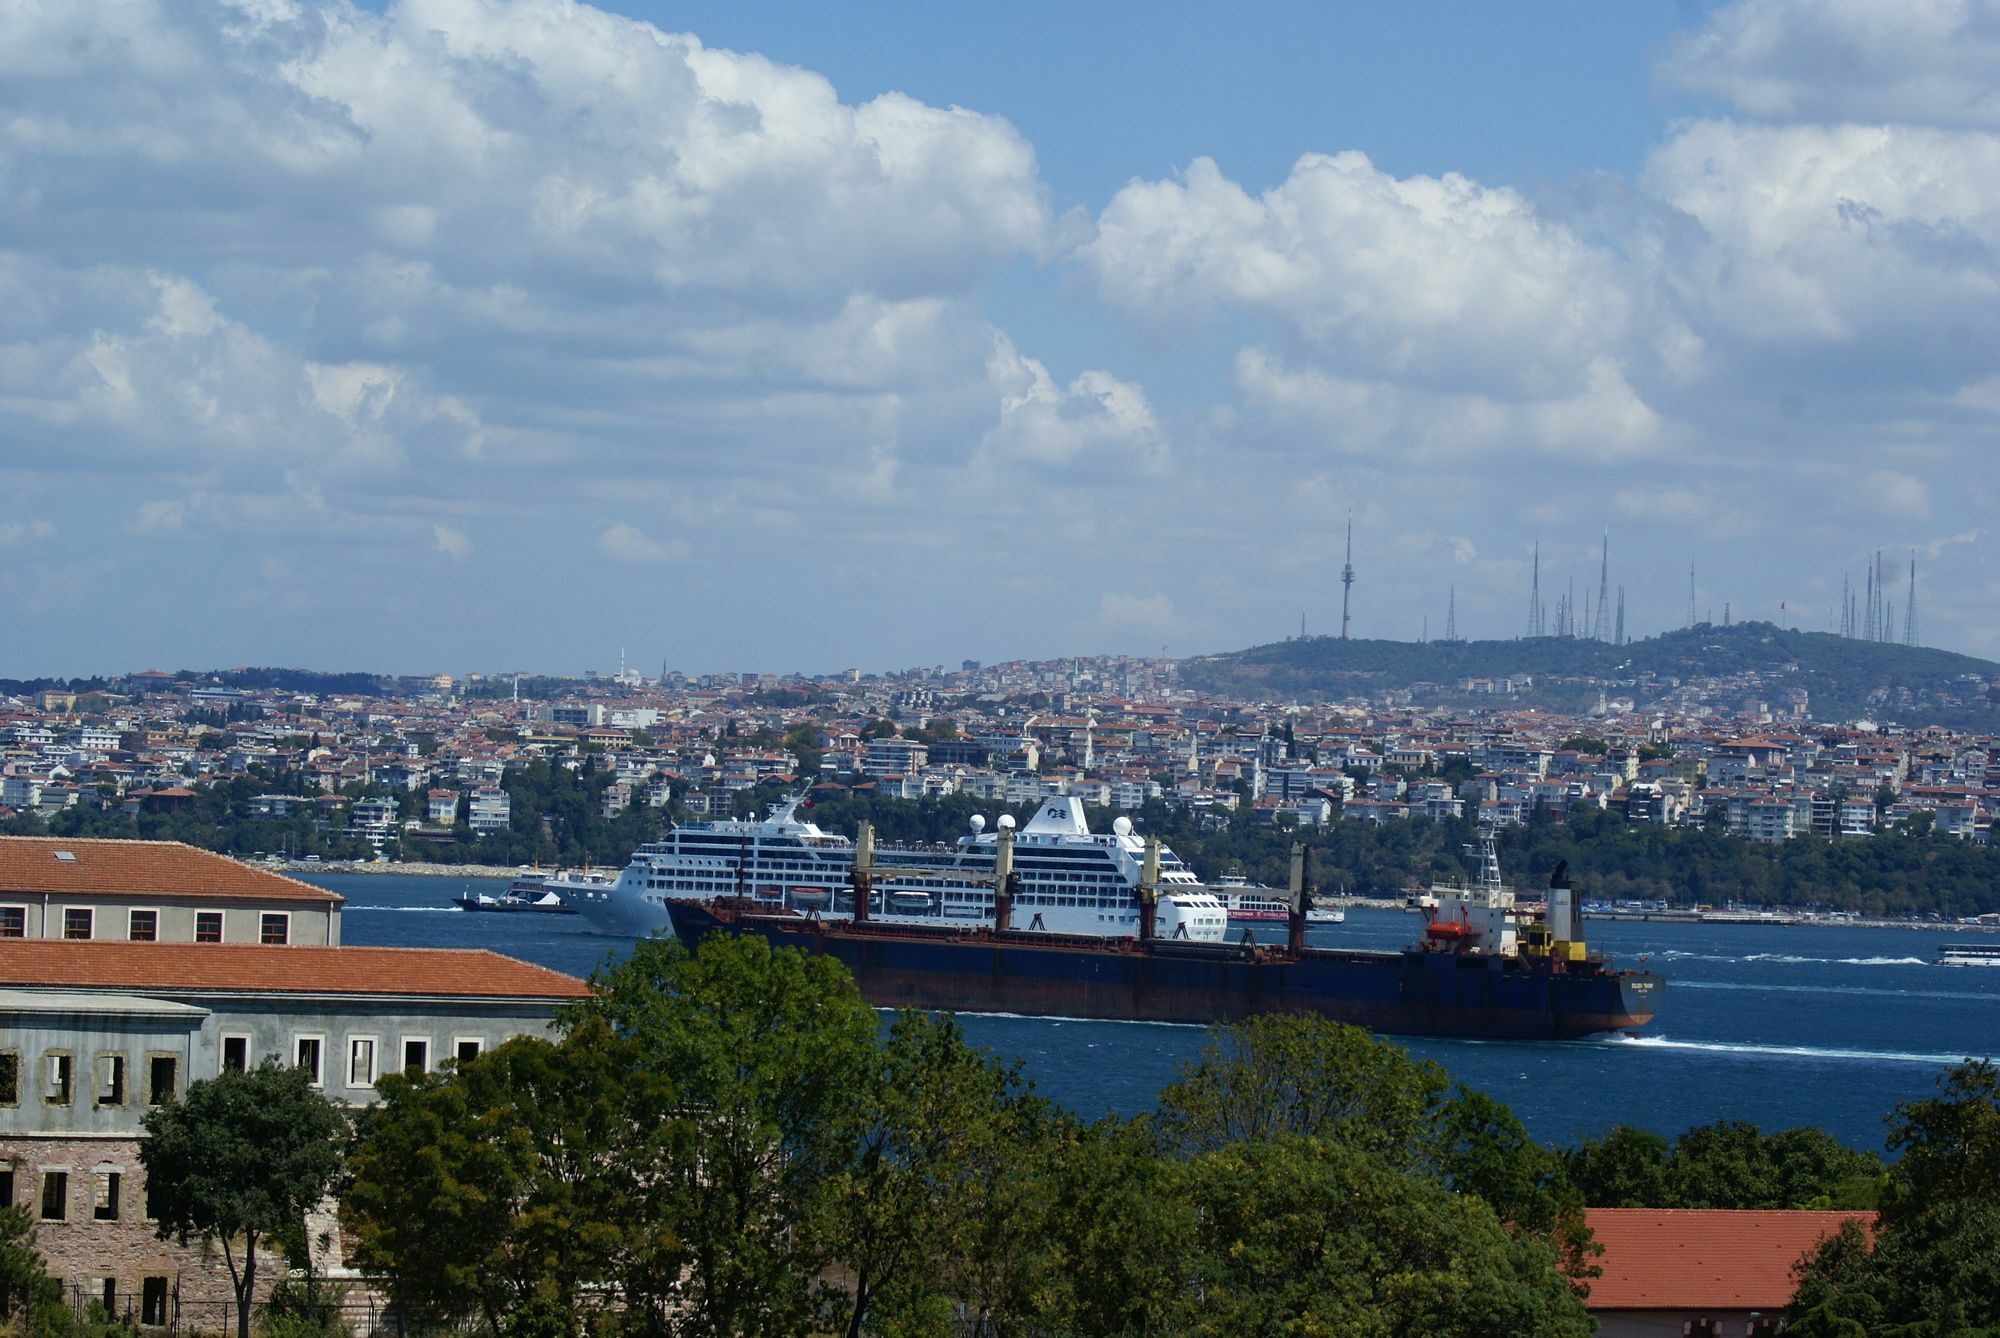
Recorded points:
1600,630
1194,751
1347,579
1451,615
1535,594
1089,742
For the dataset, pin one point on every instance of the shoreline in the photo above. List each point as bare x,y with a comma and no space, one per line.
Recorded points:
413,869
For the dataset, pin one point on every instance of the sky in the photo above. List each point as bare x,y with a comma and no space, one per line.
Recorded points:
491,335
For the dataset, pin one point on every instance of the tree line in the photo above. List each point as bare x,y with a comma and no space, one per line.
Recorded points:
731,1141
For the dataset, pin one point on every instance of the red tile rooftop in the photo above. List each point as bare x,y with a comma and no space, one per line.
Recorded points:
1704,1258
75,866
253,968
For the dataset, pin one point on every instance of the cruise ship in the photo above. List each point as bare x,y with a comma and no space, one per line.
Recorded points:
1073,880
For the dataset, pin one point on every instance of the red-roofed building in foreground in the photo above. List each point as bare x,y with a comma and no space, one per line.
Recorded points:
95,1032
1701,1272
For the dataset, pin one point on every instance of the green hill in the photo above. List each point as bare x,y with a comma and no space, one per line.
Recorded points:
1728,667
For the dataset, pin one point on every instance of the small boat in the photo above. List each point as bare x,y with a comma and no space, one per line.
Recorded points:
1969,954
531,896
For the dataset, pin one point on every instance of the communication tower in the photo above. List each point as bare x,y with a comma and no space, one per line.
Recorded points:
1535,594
1599,629
1910,605
1451,615
1347,579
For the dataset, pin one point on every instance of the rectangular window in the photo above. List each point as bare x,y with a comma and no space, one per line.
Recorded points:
10,1078
467,1047
153,1302
208,926
61,1079
144,926
416,1055
76,922
6,1184
236,1054
109,1296
105,1207
361,1061
55,1195
152,1203
163,1074
111,1080
274,927
306,1052
13,921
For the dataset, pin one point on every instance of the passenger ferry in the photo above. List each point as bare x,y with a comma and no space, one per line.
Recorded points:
1073,880
1251,903
1969,954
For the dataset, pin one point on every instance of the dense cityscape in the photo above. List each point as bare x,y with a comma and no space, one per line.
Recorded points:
1311,670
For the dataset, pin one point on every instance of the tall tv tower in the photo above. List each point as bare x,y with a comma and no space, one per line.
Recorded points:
1618,637
1347,579
1451,613
1600,630
1910,605
1535,595
1690,594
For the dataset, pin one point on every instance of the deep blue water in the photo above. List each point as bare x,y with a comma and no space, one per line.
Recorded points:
1776,1025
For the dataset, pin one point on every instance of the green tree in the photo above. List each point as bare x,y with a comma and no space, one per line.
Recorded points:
1627,1168
503,1188
1303,1235
911,1214
243,1157
1934,1269
759,1055
1283,1074
25,1283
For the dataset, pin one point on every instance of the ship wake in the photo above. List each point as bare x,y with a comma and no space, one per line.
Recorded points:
1806,1052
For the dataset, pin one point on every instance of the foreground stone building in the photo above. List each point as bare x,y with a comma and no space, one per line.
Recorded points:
94,1033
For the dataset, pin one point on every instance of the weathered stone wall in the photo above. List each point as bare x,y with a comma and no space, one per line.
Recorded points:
83,1251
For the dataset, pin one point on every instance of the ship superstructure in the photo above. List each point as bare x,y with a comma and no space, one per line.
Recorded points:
1073,880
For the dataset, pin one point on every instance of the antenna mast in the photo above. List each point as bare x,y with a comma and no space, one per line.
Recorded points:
1910,606
1451,614
1690,594
1600,629
1535,595
1347,578
1618,637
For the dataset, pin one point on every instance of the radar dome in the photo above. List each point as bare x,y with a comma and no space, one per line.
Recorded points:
1122,825
1007,822
978,822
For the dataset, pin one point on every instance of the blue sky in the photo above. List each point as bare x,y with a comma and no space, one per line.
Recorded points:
463,334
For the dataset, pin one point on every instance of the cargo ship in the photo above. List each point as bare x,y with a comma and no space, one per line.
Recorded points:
1479,969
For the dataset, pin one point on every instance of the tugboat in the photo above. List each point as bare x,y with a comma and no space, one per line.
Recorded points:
1478,970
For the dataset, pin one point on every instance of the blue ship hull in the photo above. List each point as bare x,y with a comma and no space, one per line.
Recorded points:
1414,992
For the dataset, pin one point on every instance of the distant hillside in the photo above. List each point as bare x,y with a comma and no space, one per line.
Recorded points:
1845,679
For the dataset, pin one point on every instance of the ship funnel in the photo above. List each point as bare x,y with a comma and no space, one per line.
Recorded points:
1565,924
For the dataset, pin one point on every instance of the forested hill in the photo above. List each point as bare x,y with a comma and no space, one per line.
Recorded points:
1846,679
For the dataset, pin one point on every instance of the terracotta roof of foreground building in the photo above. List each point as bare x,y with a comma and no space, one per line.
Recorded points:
1704,1258
255,968
79,866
